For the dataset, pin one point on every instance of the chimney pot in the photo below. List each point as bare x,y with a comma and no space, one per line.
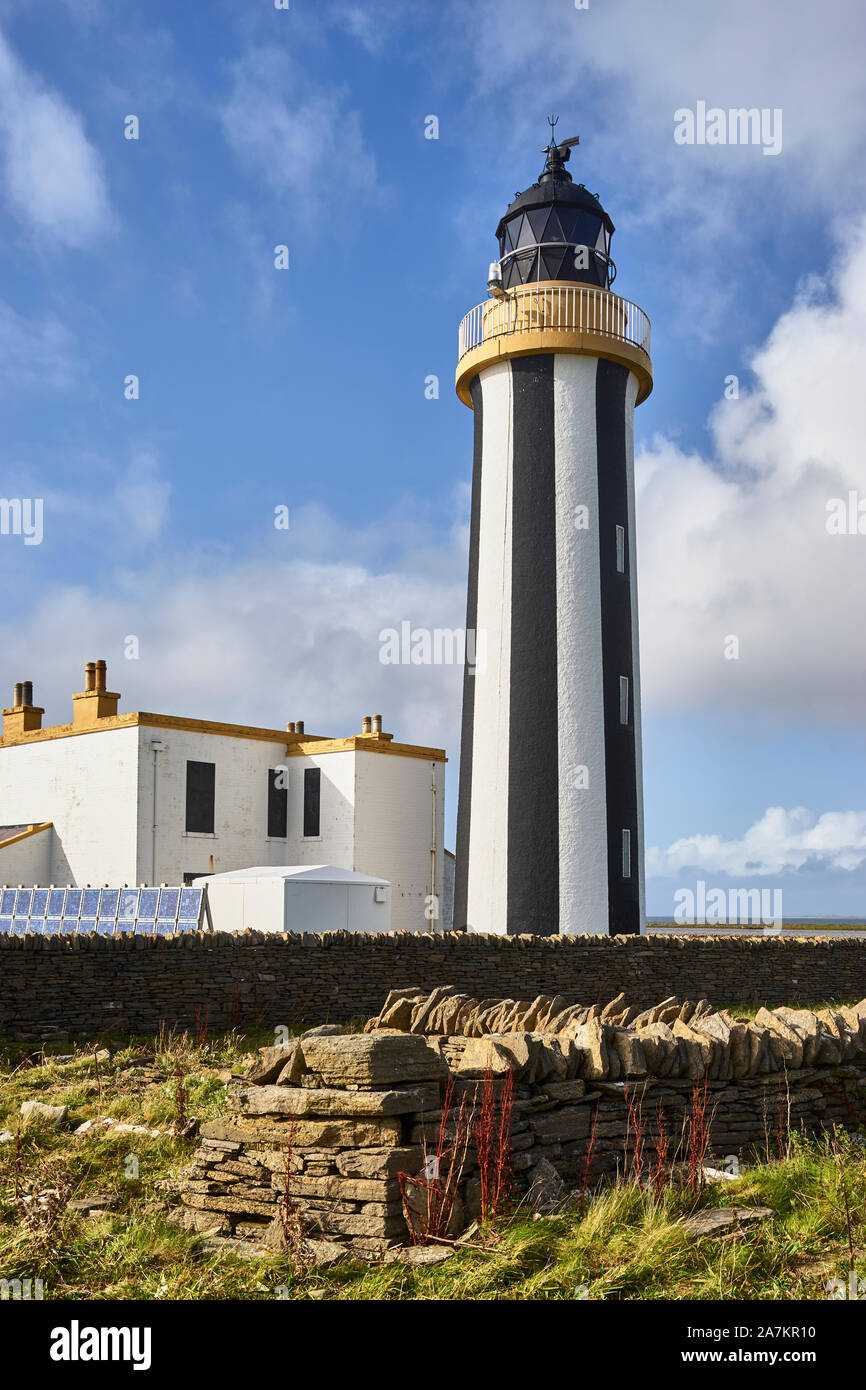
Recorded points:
27,692
365,724
290,728
100,675
299,726
377,723
90,676
18,696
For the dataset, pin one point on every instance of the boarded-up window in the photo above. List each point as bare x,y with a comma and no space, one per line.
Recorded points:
200,784
312,801
278,804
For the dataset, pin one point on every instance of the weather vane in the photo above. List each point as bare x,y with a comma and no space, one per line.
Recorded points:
558,152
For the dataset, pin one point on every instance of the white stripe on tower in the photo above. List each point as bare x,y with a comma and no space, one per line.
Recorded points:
630,395
583,868
488,825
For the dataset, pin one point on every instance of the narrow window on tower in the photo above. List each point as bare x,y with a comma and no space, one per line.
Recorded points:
312,802
626,854
200,784
620,549
278,804
623,699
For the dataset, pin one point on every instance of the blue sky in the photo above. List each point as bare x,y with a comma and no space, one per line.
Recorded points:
306,387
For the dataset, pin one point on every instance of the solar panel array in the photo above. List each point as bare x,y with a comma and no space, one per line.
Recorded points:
106,911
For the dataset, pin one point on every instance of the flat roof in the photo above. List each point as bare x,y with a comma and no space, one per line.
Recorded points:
308,873
295,745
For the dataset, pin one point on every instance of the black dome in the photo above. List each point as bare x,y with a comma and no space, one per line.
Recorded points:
556,230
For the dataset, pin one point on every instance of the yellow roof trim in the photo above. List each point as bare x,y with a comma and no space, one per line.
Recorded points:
363,743
293,743
25,834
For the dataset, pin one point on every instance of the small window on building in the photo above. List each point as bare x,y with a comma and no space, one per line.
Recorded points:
312,802
278,803
623,699
620,549
626,854
200,784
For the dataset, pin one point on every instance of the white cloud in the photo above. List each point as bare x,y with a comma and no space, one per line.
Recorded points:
736,544
35,354
53,175
627,67
288,631
780,842
300,137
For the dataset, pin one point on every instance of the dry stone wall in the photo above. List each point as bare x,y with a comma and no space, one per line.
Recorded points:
56,985
340,1125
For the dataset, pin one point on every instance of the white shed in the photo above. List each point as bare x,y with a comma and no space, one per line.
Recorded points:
297,898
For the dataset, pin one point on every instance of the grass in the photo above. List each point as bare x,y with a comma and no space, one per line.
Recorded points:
627,1244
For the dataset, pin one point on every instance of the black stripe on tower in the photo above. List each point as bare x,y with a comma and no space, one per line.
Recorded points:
461,878
616,649
533,753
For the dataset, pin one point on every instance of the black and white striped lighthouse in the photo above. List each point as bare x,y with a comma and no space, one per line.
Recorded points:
550,817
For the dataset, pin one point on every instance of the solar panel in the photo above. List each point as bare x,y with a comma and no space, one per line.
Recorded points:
190,903
128,904
90,902
149,900
169,899
55,901
105,911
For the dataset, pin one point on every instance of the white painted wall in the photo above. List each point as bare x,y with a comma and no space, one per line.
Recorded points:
395,823
487,884
240,804
583,868
87,785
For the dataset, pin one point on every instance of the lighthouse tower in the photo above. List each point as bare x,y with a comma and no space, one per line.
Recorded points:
550,816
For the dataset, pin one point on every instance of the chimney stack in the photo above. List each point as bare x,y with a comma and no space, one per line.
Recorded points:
23,717
95,702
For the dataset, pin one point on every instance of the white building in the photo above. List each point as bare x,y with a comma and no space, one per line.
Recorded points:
154,798
315,898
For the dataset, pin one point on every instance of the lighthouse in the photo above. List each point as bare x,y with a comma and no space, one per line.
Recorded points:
552,364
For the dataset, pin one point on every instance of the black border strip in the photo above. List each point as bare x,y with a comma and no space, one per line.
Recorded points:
464,793
533,762
616,648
